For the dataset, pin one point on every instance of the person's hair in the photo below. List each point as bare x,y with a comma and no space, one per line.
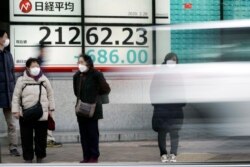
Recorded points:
88,60
2,32
30,61
170,56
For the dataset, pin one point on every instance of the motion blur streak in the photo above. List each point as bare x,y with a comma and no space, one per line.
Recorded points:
210,82
191,83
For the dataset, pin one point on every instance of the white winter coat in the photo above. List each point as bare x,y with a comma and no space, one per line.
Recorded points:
30,95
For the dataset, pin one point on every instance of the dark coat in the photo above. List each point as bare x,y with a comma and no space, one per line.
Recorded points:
92,87
7,79
167,116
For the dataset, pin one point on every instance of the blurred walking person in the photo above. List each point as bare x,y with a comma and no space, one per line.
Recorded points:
89,84
51,141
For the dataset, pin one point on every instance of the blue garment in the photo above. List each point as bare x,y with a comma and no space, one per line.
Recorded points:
40,60
7,79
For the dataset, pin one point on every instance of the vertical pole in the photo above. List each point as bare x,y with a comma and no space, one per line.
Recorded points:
83,28
221,9
153,33
221,18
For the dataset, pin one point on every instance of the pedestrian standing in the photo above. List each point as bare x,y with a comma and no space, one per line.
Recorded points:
89,84
7,84
167,117
33,88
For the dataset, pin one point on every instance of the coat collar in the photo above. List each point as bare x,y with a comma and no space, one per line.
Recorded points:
29,79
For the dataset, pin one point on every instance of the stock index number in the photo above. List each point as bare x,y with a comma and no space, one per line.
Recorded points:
59,30
93,36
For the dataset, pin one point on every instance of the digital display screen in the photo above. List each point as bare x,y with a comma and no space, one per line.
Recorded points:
118,11
45,11
117,33
118,45
162,11
63,43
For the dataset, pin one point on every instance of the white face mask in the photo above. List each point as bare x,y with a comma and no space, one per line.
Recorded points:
6,43
82,68
35,71
171,63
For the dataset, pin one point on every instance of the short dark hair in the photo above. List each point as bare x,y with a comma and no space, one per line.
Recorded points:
170,56
2,32
88,60
30,61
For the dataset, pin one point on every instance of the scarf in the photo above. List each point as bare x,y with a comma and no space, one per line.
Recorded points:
36,78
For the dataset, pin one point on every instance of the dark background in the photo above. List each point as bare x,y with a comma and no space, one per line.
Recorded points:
4,17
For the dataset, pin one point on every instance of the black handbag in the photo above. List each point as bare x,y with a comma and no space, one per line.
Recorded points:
83,109
35,112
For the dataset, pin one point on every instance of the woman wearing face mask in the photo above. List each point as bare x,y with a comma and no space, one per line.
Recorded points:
26,94
167,117
89,84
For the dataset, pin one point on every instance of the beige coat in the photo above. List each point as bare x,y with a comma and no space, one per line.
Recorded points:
30,95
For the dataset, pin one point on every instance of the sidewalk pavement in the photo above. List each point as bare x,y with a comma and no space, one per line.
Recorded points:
190,151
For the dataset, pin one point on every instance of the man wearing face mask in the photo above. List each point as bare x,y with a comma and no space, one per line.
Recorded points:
7,84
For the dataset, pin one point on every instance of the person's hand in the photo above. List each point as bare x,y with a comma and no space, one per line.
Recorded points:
16,115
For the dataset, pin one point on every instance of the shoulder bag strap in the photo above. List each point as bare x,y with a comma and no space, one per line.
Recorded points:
40,92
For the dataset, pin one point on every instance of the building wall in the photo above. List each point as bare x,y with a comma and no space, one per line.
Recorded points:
128,108
128,112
